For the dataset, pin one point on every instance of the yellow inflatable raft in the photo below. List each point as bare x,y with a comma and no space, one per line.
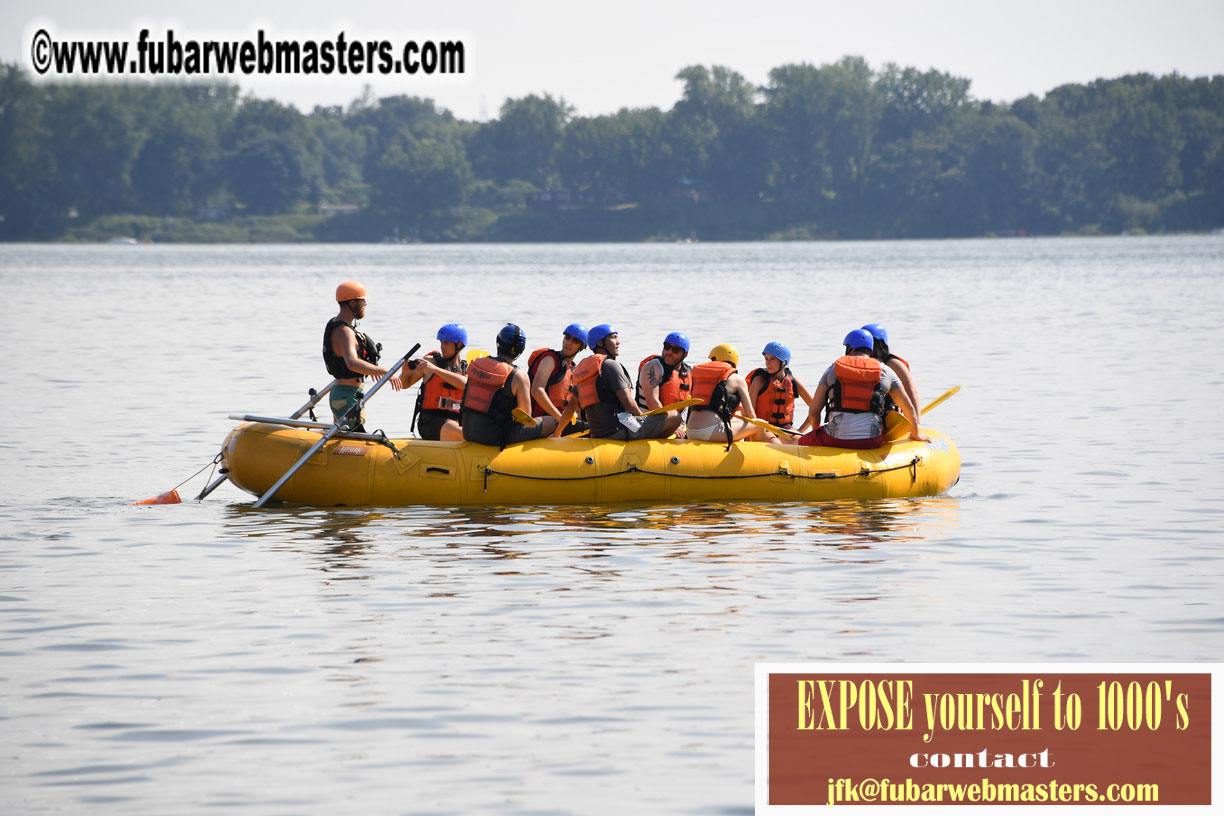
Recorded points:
357,472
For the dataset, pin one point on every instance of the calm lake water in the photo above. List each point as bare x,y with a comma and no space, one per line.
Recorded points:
568,660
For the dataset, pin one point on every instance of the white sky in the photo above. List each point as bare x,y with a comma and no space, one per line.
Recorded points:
625,53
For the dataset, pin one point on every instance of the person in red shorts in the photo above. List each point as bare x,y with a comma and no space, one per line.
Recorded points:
853,391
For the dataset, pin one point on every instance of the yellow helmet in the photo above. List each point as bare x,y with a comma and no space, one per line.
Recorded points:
725,353
350,290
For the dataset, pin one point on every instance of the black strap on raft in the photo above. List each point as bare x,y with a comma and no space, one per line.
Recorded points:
383,440
912,466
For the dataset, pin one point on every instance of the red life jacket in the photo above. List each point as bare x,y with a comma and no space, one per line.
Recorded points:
710,386
486,376
586,379
559,382
776,402
439,395
677,382
858,389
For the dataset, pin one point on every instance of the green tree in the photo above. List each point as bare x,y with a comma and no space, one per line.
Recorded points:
717,133
417,177
522,143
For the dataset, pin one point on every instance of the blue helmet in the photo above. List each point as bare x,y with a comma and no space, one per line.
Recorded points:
511,340
877,331
453,333
778,350
598,333
577,331
859,339
678,339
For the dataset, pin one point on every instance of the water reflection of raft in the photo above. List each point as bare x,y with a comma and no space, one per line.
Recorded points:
355,472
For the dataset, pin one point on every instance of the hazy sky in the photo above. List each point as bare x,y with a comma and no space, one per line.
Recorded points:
601,57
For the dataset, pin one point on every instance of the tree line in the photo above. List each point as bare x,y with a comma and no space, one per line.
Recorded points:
836,150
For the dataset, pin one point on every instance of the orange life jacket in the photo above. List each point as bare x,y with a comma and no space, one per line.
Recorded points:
439,395
776,402
486,376
586,379
677,382
858,389
710,386
559,383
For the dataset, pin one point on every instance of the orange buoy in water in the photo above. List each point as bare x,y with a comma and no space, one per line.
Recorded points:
162,498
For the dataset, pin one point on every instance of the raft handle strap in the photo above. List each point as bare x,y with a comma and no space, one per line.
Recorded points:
383,440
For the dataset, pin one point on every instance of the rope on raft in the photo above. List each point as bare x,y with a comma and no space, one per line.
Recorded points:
912,466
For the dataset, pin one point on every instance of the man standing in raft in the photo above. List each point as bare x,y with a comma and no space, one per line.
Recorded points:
605,392
350,355
495,387
854,388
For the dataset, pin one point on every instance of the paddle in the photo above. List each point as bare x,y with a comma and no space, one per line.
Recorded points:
476,354
335,429
769,426
899,427
675,406
523,418
315,396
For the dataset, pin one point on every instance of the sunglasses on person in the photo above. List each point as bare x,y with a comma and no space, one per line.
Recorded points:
670,347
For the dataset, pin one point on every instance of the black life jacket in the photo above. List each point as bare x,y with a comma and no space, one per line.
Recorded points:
367,350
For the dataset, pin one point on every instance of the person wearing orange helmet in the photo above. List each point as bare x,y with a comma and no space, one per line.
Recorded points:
722,390
350,355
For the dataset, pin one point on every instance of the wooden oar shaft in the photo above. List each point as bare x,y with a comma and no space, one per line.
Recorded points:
335,429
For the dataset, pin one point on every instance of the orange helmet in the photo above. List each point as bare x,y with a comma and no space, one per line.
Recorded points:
350,290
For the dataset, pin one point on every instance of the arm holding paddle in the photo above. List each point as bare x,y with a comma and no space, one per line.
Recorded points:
571,408
909,411
907,382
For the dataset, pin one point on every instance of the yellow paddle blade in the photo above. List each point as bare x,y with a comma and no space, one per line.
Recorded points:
938,400
675,406
778,429
523,418
897,427
476,354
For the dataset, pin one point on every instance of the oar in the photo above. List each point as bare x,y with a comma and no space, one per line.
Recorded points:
675,406
662,409
769,426
315,396
476,354
900,426
335,429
